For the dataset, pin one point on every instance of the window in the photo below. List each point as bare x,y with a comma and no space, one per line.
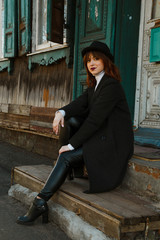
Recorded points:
156,9
41,22
1,28
18,33
43,18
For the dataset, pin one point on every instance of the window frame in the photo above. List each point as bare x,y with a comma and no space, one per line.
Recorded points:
1,32
35,26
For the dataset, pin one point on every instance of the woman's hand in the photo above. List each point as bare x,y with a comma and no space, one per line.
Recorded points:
64,148
59,119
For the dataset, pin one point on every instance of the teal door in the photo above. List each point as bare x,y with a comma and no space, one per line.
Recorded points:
115,22
94,21
126,45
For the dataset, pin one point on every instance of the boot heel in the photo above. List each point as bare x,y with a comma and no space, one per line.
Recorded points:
45,217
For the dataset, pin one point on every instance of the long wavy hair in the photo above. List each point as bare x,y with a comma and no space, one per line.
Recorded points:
110,68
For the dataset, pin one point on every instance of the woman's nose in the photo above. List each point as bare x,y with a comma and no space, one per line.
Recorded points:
92,62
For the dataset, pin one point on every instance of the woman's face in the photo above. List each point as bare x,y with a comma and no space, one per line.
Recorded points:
95,65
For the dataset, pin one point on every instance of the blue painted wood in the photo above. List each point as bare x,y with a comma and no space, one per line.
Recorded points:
24,26
155,45
6,65
47,58
147,136
10,28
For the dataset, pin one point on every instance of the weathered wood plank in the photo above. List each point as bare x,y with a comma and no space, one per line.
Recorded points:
40,129
19,109
41,124
4,107
129,211
15,121
131,202
42,118
35,111
39,172
27,181
2,117
102,221
141,227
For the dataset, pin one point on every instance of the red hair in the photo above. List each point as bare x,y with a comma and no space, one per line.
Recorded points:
110,68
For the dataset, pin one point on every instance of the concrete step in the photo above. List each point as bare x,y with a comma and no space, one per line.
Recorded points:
118,214
143,173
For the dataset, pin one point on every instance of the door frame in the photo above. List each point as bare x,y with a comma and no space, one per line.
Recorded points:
139,66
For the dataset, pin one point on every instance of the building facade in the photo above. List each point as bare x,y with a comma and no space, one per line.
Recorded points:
40,55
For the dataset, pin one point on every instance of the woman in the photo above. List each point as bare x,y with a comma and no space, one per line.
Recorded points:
102,138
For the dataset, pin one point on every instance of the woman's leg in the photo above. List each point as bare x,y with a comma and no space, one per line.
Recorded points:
65,162
70,128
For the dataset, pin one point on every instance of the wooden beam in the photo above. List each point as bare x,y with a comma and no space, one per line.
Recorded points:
14,121
19,109
102,221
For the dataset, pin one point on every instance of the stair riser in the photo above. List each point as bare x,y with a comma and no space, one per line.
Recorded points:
144,180
37,143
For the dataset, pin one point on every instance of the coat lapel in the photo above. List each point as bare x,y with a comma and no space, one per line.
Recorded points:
100,85
95,93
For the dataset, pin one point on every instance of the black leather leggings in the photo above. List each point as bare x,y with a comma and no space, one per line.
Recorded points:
65,162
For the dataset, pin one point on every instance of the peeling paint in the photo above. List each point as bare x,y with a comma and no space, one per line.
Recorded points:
150,171
46,96
44,86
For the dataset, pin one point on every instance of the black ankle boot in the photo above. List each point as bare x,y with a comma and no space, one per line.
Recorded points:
39,207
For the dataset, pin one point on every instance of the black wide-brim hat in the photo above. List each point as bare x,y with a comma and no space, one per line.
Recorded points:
99,47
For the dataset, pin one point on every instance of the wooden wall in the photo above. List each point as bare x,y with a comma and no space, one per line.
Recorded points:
45,86
28,100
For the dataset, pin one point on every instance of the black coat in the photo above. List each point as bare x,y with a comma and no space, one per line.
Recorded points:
106,133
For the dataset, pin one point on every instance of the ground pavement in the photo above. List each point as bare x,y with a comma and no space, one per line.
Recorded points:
10,208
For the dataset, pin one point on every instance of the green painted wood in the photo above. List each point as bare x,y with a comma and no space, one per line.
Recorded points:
55,20
10,28
70,27
126,46
6,65
154,45
50,57
24,26
94,21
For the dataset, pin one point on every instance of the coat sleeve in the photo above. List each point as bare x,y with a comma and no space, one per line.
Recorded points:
76,107
101,109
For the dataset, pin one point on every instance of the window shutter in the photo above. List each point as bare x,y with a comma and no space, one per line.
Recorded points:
24,26
55,20
154,45
10,28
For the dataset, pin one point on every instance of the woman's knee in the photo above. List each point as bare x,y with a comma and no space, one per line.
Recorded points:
73,122
72,158
64,159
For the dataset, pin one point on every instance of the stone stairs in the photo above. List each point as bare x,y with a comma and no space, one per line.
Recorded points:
119,214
